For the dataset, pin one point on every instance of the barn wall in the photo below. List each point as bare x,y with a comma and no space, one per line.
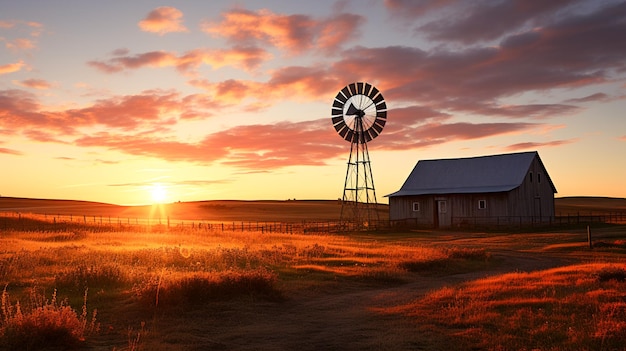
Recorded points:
535,196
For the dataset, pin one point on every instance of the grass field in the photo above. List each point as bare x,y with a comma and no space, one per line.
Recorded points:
74,288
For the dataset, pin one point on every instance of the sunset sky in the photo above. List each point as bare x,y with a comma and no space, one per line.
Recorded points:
113,101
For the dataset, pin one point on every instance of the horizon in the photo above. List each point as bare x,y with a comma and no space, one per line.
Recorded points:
212,101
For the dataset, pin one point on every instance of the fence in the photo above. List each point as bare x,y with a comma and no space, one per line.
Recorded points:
518,221
47,222
42,222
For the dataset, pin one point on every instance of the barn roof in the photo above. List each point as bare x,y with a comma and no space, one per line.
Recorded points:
484,174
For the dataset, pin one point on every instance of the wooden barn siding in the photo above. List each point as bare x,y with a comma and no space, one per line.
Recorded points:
459,205
523,200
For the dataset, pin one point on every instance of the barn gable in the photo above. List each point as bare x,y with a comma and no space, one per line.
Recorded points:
485,174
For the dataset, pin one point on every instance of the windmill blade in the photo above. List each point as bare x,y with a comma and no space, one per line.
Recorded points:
366,89
381,122
378,128
352,87
378,99
381,114
373,93
341,98
338,119
359,88
346,92
349,135
337,111
337,104
381,106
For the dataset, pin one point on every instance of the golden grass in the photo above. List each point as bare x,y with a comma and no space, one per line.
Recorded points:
577,307
222,289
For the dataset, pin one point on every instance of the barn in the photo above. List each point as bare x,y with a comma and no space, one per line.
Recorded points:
497,189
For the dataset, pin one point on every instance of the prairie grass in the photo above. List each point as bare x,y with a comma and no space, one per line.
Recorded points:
578,307
139,276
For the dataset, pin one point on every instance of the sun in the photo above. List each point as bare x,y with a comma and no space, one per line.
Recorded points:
159,193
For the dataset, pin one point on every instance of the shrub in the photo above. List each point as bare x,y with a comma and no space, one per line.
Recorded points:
205,287
47,324
83,276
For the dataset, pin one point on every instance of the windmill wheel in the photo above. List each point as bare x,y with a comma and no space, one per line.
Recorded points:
359,112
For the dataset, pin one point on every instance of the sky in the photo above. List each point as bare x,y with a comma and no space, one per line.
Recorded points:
124,101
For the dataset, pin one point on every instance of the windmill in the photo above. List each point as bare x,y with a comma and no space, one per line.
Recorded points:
359,114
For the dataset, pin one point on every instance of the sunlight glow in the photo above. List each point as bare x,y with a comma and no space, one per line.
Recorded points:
159,193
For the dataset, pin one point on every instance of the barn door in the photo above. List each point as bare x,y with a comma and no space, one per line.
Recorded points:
442,214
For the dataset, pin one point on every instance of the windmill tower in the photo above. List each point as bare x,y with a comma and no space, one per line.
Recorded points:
359,114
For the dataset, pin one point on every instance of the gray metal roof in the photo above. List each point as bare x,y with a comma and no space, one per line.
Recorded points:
485,174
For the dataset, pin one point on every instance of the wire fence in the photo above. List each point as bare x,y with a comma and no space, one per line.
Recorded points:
55,223
46,222
518,222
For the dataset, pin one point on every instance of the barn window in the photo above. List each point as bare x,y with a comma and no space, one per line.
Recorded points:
530,176
482,204
416,207
538,177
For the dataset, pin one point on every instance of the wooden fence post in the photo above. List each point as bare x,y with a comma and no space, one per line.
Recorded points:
589,237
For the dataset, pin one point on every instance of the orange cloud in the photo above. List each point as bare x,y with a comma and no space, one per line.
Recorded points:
20,44
11,67
294,33
247,58
622,138
163,20
10,151
34,83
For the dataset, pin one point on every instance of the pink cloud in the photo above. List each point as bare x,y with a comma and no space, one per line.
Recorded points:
149,111
536,145
622,138
163,20
35,84
11,67
294,33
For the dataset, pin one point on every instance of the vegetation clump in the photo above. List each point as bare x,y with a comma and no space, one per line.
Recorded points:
200,288
43,324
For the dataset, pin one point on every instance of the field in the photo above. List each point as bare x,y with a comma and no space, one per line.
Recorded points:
190,289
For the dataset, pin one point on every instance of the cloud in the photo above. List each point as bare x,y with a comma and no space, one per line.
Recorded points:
247,58
294,33
163,20
590,98
536,145
34,83
150,111
11,67
622,138
20,44
10,151
466,24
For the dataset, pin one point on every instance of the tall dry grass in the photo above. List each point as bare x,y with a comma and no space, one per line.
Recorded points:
43,323
578,307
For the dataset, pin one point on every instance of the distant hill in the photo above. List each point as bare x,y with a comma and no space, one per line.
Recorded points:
218,210
586,204
262,210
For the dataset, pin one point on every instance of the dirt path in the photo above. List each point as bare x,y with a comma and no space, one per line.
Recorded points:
347,318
